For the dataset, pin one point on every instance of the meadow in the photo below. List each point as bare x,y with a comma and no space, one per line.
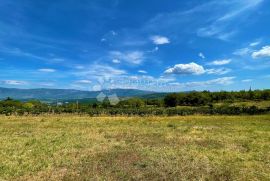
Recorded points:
59,147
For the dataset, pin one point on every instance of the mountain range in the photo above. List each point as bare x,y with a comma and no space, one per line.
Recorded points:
69,94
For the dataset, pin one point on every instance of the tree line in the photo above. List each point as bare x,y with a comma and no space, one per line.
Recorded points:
173,104
207,97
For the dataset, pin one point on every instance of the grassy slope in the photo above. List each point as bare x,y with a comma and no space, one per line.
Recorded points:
260,104
186,148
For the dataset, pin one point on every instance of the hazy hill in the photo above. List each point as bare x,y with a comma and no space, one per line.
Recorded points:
64,94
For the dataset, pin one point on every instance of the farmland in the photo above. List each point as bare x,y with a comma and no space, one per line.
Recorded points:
61,147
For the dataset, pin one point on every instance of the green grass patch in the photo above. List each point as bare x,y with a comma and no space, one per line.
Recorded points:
135,148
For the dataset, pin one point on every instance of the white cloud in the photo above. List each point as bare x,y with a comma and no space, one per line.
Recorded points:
107,70
244,7
222,20
46,70
247,80
113,33
142,71
166,79
96,71
221,62
220,71
226,36
217,32
248,50
79,67
108,37
103,39
57,60
201,55
253,44
264,52
186,69
195,69
13,82
242,52
201,84
21,53
176,84
160,40
84,81
116,61
133,57
154,50
218,81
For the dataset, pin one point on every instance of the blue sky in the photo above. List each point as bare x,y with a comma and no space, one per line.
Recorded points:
150,45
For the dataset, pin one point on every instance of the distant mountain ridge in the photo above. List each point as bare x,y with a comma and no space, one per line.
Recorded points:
64,94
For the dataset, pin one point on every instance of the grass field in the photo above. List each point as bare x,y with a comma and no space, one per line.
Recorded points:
259,104
152,148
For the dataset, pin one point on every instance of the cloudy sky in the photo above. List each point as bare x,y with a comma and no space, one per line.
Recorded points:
156,45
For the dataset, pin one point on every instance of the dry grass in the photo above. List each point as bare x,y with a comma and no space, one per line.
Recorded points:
135,148
259,104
